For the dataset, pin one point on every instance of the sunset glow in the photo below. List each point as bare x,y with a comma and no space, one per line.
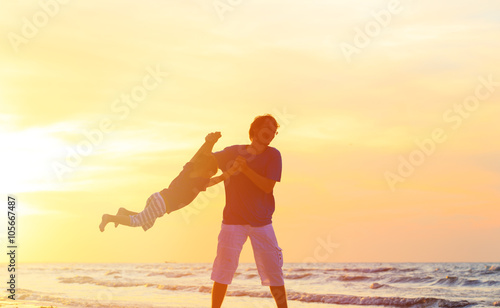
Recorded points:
390,153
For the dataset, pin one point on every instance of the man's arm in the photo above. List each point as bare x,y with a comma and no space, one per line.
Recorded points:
267,185
207,147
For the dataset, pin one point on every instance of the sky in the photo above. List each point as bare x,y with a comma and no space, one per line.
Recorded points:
388,114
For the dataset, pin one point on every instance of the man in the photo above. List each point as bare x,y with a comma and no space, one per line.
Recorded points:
248,211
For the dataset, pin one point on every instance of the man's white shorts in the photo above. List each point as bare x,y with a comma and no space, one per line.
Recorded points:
267,253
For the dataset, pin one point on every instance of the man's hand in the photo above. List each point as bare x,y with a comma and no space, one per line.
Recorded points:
242,163
213,137
234,169
262,182
238,166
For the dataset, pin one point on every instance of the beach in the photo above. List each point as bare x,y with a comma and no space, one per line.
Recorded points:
309,285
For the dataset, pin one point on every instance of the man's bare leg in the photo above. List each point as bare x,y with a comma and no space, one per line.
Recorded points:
279,294
218,294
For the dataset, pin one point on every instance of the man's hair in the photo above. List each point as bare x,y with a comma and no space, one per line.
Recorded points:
206,162
259,121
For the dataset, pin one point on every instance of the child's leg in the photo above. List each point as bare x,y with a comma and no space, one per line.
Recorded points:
124,211
117,219
155,207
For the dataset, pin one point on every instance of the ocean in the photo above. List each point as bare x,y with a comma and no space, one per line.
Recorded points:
309,285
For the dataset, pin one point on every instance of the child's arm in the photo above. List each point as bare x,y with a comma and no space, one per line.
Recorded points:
207,147
217,179
226,174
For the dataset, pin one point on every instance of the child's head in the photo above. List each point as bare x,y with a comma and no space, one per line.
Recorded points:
205,165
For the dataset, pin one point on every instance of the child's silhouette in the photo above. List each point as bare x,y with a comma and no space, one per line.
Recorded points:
196,176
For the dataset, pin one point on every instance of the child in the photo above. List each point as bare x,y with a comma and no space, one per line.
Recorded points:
196,176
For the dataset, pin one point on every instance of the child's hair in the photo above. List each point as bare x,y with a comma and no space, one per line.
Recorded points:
259,121
206,162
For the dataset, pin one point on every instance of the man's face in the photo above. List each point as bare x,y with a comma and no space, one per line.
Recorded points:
265,134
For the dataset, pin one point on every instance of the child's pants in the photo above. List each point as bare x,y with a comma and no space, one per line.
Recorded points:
155,207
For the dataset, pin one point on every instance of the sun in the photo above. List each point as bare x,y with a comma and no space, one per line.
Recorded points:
26,158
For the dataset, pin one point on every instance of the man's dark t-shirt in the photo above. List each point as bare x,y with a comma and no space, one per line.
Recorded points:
246,203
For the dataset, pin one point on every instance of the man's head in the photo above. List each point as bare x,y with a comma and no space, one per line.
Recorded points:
205,165
263,129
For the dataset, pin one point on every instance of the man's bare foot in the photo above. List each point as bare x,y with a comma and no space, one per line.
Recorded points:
104,222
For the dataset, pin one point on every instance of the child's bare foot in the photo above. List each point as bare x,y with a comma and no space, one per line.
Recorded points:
104,222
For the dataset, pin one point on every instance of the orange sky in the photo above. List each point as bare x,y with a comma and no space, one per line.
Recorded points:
101,104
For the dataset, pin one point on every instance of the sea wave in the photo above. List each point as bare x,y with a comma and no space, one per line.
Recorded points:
298,296
91,280
377,286
370,270
108,273
358,300
362,300
378,301
42,297
354,270
353,278
456,281
170,274
494,268
449,281
406,279
250,276
298,276
364,270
